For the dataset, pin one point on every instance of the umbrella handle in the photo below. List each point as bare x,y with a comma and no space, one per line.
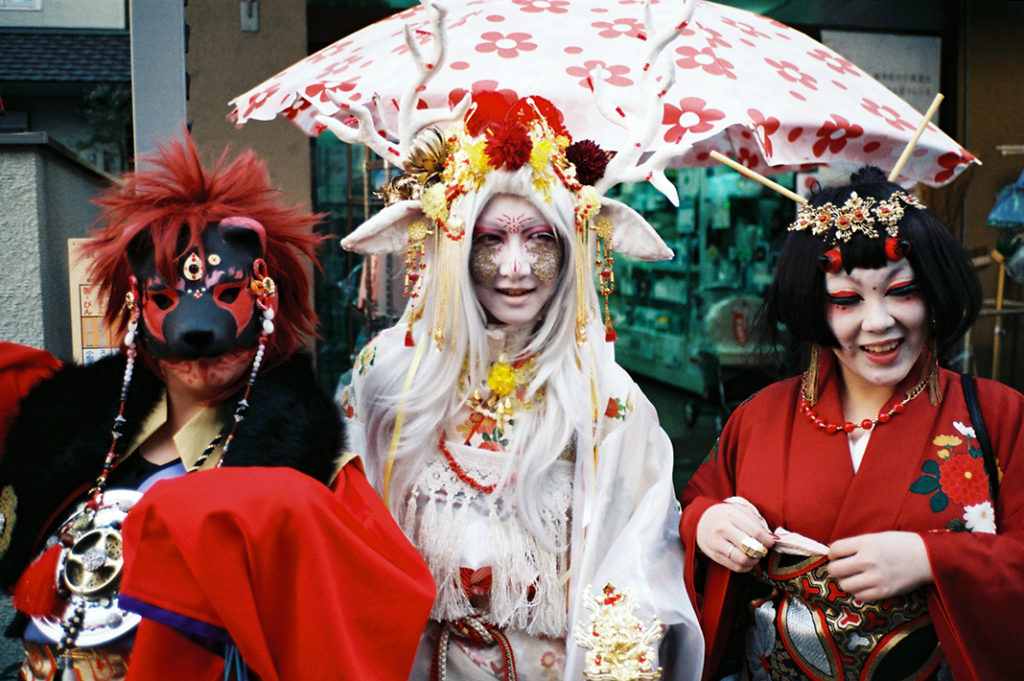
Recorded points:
997,330
757,177
902,161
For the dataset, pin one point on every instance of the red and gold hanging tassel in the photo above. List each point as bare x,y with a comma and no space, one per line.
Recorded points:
415,264
582,279
606,271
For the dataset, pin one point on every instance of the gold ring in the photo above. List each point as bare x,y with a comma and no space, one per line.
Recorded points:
753,548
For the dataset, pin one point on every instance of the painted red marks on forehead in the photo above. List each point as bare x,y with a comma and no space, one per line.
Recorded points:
514,224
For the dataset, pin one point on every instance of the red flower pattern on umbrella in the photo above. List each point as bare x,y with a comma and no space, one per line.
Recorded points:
620,27
705,59
420,36
331,69
614,74
748,157
951,161
835,134
257,100
331,50
553,6
319,90
506,46
765,127
963,480
882,149
461,21
713,37
291,112
692,115
745,28
835,62
891,117
793,74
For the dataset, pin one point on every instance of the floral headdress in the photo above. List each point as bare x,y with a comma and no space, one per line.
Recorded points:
502,133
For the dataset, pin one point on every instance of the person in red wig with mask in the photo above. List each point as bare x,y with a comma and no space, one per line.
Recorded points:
179,510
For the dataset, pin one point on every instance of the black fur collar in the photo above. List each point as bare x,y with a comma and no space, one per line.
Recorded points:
58,444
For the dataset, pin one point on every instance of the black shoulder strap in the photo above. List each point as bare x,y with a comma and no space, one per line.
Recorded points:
974,410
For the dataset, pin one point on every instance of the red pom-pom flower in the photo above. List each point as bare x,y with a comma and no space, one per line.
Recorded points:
508,145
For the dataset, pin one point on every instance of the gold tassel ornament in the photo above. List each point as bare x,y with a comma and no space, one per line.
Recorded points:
810,387
934,391
606,274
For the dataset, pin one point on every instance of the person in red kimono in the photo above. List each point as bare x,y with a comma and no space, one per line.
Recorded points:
846,524
178,510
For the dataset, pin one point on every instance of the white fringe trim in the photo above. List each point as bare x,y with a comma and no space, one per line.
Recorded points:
436,519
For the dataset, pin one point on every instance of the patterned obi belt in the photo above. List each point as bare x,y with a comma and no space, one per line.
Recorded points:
806,627
91,664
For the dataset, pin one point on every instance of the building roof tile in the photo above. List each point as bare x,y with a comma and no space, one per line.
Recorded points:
64,56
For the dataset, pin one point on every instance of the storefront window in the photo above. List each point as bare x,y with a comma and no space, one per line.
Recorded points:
725,234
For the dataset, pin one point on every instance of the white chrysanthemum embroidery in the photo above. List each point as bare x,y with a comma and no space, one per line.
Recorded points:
980,517
966,431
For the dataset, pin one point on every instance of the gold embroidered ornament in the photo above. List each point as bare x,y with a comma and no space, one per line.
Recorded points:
619,646
8,510
507,383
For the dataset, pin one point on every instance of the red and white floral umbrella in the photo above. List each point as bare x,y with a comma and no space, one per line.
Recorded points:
747,86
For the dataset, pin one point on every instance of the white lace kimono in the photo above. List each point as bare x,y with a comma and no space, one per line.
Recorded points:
615,511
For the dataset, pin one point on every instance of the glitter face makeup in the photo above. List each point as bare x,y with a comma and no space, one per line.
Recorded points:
514,260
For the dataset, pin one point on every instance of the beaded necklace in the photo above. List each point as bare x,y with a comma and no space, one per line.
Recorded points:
884,416
460,473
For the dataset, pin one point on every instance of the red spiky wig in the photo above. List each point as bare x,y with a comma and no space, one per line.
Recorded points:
172,196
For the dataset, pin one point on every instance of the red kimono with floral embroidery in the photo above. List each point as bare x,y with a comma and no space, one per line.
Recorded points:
922,472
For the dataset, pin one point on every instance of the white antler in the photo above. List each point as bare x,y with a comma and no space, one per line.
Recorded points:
410,119
642,125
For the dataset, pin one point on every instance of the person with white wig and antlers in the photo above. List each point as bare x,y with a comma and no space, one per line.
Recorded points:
523,463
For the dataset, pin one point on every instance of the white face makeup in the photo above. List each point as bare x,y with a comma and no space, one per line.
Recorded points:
880,319
514,260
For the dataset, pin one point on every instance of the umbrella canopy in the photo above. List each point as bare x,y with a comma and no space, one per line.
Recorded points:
746,86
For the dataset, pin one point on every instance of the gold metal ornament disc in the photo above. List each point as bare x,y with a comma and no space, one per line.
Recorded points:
94,563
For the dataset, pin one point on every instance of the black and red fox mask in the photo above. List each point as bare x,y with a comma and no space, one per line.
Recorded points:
210,308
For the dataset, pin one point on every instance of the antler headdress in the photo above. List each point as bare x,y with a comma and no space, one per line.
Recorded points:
495,133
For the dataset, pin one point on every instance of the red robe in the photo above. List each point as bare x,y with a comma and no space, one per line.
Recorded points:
307,584
919,474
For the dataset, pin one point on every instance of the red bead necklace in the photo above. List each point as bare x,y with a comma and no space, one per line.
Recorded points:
460,473
884,416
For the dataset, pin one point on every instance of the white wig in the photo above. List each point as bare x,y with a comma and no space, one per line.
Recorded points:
564,367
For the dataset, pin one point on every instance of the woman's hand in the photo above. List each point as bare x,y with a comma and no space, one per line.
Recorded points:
722,529
872,567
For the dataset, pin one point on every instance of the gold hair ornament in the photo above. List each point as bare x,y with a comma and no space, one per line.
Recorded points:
857,215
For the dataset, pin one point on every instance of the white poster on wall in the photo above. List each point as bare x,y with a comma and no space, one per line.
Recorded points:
909,65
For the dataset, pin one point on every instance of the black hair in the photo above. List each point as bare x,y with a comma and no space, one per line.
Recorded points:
797,297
